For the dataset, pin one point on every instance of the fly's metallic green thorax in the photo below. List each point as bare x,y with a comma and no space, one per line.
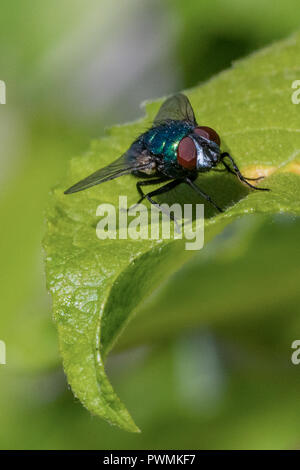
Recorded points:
164,139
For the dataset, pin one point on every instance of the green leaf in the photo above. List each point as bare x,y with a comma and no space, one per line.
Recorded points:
97,285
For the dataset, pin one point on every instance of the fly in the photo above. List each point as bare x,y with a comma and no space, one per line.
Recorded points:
174,151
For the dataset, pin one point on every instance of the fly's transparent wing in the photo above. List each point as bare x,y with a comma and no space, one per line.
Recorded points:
178,108
121,166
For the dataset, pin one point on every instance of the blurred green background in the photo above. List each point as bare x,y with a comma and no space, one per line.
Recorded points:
71,68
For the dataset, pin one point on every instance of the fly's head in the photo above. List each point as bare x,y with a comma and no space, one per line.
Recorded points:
200,150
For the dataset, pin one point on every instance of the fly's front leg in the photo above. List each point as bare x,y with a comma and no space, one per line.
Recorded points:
238,173
227,168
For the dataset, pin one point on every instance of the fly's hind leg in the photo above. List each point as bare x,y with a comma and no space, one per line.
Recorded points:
149,182
163,189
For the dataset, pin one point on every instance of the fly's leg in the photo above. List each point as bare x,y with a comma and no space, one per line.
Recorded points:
202,193
238,173
149,182
229,170
219,170
163,189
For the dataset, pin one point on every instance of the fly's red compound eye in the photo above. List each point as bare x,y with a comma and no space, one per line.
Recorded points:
208,133
187,153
